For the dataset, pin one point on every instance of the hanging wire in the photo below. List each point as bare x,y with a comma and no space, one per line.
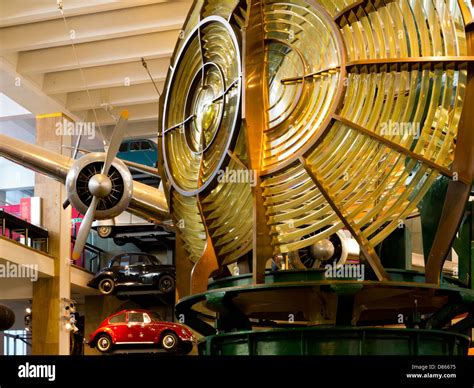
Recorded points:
60,8
109,111
145,65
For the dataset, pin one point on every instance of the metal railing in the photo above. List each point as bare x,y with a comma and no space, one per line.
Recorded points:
22,231
16,342
92,259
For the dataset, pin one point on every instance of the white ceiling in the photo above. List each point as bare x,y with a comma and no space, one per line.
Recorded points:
40,70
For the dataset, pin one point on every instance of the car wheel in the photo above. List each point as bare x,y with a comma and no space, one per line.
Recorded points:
104,231
170,342
104,343
106,286
166,284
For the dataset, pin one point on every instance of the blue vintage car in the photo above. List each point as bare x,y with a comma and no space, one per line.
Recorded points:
142,151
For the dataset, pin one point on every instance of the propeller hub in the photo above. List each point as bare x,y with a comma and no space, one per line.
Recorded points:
322,250
100,185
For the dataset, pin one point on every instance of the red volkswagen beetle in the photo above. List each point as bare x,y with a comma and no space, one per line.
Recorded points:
141,327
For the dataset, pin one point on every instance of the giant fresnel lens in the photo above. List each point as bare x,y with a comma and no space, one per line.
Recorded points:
297,139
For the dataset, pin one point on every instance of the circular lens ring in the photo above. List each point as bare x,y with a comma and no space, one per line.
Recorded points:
280,157
200,77
232,129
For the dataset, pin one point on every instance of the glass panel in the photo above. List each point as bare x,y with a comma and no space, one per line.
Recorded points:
146,318
155,316
144,145
154,260
135,317
117,319
14,343
123,147
135,259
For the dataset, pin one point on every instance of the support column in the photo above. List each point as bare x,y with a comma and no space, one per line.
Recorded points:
255,115
49,334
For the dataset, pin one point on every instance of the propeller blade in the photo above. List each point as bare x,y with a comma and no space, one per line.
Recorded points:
84,229
115,142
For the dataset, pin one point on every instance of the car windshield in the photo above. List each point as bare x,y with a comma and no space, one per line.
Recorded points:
123,147
114,263
155,317
121,260
154,260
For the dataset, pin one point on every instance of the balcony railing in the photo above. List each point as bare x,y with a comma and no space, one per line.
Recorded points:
25,233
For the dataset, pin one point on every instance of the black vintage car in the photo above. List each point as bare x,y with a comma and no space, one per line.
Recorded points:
134,270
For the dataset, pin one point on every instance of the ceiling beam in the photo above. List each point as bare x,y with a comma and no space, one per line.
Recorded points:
14,12
26,92
119,96
94,27
105,76
118,50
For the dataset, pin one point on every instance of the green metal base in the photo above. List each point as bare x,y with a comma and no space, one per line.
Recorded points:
305,313
336,341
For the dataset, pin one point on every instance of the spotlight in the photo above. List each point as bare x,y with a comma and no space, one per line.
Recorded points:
28,319
68,315
72,308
